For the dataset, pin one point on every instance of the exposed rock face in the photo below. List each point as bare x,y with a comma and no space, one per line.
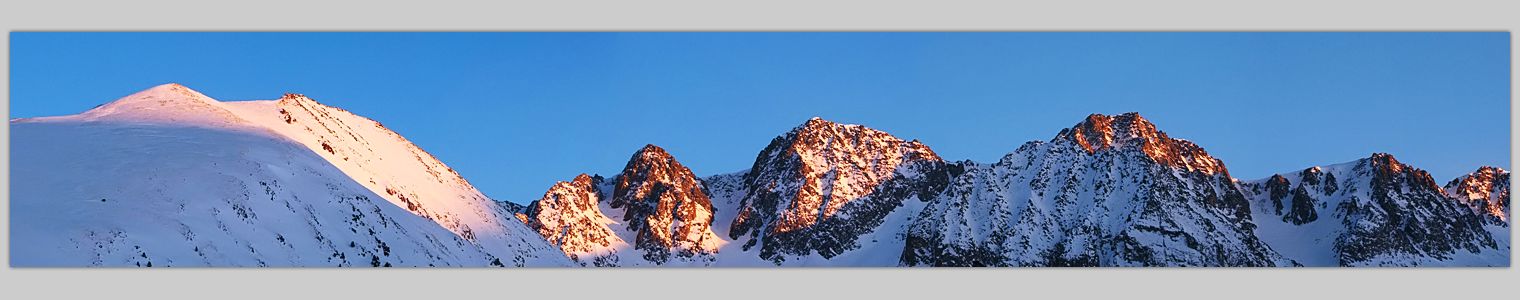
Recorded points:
653,213
665,206
1111,191
1100,131
1374,211
1486,191
820,186
1278,188
569,218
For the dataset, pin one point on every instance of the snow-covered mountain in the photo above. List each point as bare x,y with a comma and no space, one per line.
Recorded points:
1373,211
1486,191
1111,191
655,212
664,205
172,177
570,216
826,190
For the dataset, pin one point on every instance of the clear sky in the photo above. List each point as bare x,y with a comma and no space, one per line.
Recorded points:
514,112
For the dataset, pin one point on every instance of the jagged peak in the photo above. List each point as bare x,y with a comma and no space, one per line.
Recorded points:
1490,170
652,158
1384,166
1482,176
652,152
583,180
816,124
1486,191
1099,132
815,130
1385,163
1383,158
652,163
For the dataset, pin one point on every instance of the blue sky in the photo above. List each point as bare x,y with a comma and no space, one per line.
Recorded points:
514,112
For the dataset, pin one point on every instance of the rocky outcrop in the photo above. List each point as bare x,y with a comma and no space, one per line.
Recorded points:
1374,211
820,186
654,212
1486,192
568,217
665,207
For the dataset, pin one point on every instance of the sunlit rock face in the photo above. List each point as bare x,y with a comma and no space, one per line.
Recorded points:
655,212
568,216
1110,191
1486,191
817,188
665,207
1374,211
1100,132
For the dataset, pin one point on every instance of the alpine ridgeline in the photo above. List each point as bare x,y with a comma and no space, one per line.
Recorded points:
1111,191
825,189
171,177
1377,211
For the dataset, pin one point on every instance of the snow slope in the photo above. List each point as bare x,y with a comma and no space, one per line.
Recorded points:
173,177
399,171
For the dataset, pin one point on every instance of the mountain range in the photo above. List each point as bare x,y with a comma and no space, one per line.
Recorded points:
170,177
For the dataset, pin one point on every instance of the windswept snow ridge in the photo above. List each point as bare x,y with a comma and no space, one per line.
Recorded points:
170,177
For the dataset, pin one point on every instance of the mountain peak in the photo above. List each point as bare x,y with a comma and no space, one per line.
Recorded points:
665,206
1100,132
1490,170
818,134
815,124
1384,163
582,180
1485,191
169,103
652,152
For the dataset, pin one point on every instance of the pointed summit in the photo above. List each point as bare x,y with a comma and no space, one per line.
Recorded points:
1100,132
665,207
1385,169
819,170
169,103
650,152
567,217
1485,191
818,134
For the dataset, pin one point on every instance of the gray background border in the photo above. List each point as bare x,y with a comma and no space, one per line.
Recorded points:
786,15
